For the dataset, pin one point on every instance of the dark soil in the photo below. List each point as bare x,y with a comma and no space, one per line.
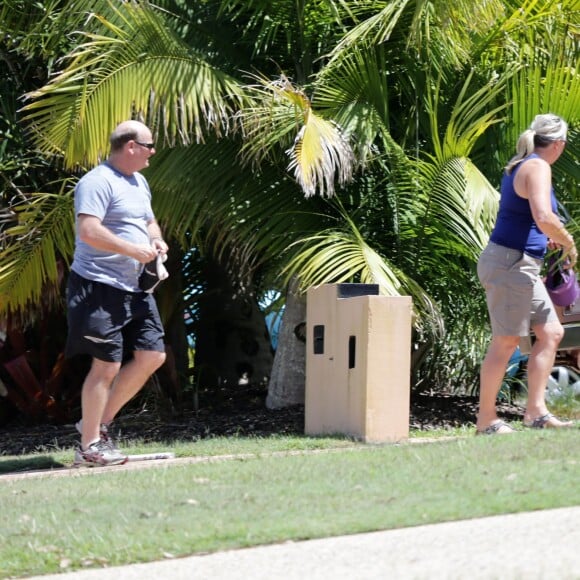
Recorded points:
243,417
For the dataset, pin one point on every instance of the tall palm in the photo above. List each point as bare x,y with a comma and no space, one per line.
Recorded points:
441,184
108,78
398,85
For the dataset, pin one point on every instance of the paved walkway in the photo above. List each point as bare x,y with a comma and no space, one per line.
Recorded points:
543,545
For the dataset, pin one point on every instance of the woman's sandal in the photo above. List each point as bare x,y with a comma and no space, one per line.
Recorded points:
494,429
547,421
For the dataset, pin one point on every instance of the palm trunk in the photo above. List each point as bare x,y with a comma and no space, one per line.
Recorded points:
287,383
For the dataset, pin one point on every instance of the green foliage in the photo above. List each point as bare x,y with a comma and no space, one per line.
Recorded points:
405,111
318,151
36,230
453,360
44,233
128,64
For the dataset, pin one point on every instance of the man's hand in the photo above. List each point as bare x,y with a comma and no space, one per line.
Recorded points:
144,253
160,245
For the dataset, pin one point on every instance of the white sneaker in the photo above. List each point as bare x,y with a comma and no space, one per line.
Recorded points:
98,454
103,434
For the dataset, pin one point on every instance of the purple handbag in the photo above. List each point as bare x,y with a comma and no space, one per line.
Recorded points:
561,283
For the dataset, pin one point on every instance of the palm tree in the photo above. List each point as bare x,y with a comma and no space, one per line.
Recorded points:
117,87
440,206
410,92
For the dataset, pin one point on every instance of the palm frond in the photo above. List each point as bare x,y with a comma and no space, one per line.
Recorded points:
433,34
471,116
376,28
320,155
42,28
459,204
462,205
356,94
342,255
29,261
539,90
319,152
138,68
552,87
299,34
525,30
204,199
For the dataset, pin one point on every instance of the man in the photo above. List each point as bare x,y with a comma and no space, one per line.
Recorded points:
109,317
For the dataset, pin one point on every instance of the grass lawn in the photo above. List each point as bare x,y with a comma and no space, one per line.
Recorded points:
275,490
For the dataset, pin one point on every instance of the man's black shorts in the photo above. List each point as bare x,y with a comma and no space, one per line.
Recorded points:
108,323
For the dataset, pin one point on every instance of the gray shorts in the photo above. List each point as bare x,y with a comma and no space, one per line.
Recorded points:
109,323
516,296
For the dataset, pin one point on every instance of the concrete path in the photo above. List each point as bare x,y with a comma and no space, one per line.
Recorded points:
543,545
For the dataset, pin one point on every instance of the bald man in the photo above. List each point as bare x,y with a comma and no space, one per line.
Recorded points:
109,316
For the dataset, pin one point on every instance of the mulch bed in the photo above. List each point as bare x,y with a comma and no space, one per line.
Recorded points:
230,418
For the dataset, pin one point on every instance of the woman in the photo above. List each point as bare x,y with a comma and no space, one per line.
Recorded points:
509,269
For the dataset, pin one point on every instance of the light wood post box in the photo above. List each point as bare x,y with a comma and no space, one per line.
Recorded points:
358,363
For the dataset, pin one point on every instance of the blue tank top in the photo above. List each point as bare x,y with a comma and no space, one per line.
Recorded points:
515,226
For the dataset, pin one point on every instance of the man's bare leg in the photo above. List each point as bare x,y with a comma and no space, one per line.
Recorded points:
94,397
130,380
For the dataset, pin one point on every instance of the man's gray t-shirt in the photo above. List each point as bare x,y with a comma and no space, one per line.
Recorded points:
123,204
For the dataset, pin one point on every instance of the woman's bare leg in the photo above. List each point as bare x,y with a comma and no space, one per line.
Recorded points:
492,373
540,364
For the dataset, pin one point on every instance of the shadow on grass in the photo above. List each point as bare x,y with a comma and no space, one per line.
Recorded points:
29,464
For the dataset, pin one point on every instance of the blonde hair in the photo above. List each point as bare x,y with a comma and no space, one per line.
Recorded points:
545,129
